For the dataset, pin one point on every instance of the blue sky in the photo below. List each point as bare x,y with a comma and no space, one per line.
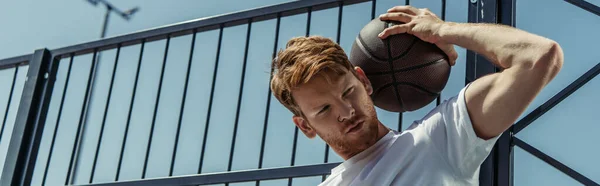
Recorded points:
565,132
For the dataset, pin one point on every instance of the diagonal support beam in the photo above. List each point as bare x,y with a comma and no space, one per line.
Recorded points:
554,163
533,115
586,6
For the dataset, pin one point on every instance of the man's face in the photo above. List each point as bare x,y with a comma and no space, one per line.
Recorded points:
340,111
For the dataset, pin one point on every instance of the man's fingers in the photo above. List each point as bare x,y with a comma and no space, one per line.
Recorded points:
450,52
396,29
406,9
396,16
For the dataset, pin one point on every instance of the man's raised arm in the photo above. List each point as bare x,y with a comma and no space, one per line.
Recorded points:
495,101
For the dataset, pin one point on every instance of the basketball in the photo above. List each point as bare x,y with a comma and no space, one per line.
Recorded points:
406,73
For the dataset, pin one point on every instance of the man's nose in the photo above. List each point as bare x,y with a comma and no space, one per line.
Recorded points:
346,111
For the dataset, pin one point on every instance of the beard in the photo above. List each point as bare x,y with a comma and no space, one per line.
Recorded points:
358,141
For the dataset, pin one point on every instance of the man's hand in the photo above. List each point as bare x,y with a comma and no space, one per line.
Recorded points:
421,23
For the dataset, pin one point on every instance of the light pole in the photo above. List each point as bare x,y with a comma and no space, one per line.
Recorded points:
110,8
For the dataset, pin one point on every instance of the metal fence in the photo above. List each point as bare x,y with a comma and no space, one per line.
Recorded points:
38,86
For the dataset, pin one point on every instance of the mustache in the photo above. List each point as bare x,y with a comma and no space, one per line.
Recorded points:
353,119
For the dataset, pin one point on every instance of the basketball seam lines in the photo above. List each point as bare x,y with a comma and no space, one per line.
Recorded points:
407,51
390,62
370,53
406,69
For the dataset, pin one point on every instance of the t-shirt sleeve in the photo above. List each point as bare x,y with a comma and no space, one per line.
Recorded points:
451,130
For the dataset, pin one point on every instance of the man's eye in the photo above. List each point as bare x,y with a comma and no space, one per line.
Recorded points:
325,108
348,91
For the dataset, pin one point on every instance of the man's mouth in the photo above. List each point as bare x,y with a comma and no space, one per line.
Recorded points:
356,126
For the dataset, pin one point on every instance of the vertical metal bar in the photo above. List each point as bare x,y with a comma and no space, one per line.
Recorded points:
503,159
266,122
483,11
295,143
12,88
239,103
210,102
476,67
444,10
42,114
400,121
137,76
156,104
504,162
373,8
31,118
497,168
105,113
82,121
507,12
471,60
185,87
339,26
57,124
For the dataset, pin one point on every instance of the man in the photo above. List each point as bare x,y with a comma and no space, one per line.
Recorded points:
330,98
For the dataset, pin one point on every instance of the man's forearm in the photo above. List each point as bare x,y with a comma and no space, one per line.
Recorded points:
503,45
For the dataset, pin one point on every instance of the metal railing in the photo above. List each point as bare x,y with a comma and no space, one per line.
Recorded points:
43,66
20,167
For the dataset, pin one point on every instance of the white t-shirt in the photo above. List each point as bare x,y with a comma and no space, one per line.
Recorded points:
440,149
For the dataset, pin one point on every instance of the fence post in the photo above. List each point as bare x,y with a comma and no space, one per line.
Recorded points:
496,170
507,16
31,116
476,67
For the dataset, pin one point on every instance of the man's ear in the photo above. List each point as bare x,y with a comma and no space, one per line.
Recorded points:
364,80
303,125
